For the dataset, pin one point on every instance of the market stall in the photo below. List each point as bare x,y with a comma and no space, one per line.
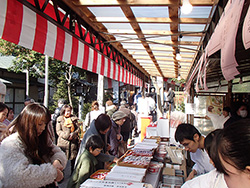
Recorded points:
151,163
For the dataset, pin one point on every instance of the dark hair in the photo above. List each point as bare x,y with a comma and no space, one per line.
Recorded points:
94,106
26,123
11,109
227,109
233,146
95,142
3,107
210,143
62,112
102,122
236,106
185,131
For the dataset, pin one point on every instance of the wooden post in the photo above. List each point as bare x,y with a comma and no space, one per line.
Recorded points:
229,94
192,92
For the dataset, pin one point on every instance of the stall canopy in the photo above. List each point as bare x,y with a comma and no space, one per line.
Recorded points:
21,25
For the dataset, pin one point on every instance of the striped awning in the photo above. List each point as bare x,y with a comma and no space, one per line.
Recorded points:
23,26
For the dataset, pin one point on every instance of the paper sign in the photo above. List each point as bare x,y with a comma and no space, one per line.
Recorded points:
189,108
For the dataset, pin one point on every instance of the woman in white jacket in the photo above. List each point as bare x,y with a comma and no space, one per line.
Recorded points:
28,158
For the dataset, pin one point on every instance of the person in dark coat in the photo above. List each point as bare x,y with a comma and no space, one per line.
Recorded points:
99,127
239,113
128,125
114,135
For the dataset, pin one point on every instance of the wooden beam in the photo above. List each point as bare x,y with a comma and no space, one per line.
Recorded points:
190,43
130,15
138,2
155,32
151,20
160,49
87,16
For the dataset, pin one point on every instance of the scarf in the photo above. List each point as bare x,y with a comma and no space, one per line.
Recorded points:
68,123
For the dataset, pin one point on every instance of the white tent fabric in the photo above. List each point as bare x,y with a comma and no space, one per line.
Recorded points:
2,88
2,91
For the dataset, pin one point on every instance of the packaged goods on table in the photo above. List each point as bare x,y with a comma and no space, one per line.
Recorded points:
100,174
136,158
131,170
124,177
90,183
154,167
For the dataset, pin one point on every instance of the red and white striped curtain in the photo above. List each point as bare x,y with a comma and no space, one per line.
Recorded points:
22,26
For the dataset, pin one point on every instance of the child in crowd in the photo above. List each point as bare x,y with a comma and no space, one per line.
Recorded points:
99,127
86,163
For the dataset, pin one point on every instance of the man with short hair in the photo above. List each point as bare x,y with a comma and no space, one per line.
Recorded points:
193,142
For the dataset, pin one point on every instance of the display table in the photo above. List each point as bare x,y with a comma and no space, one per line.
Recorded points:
153,179
144,165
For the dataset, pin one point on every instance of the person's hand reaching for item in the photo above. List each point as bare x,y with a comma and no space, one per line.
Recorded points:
58,165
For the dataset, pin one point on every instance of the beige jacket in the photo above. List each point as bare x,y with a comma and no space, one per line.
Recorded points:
70,147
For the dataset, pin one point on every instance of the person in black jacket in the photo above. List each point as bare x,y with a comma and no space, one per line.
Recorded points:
240,112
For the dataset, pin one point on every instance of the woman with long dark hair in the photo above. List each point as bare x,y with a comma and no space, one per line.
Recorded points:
28,158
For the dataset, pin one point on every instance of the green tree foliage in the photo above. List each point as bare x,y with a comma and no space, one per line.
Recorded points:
60,73
25,59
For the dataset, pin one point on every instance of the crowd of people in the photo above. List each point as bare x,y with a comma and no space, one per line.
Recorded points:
35,146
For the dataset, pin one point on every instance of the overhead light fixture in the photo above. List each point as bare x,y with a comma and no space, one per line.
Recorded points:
177,54
186,7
